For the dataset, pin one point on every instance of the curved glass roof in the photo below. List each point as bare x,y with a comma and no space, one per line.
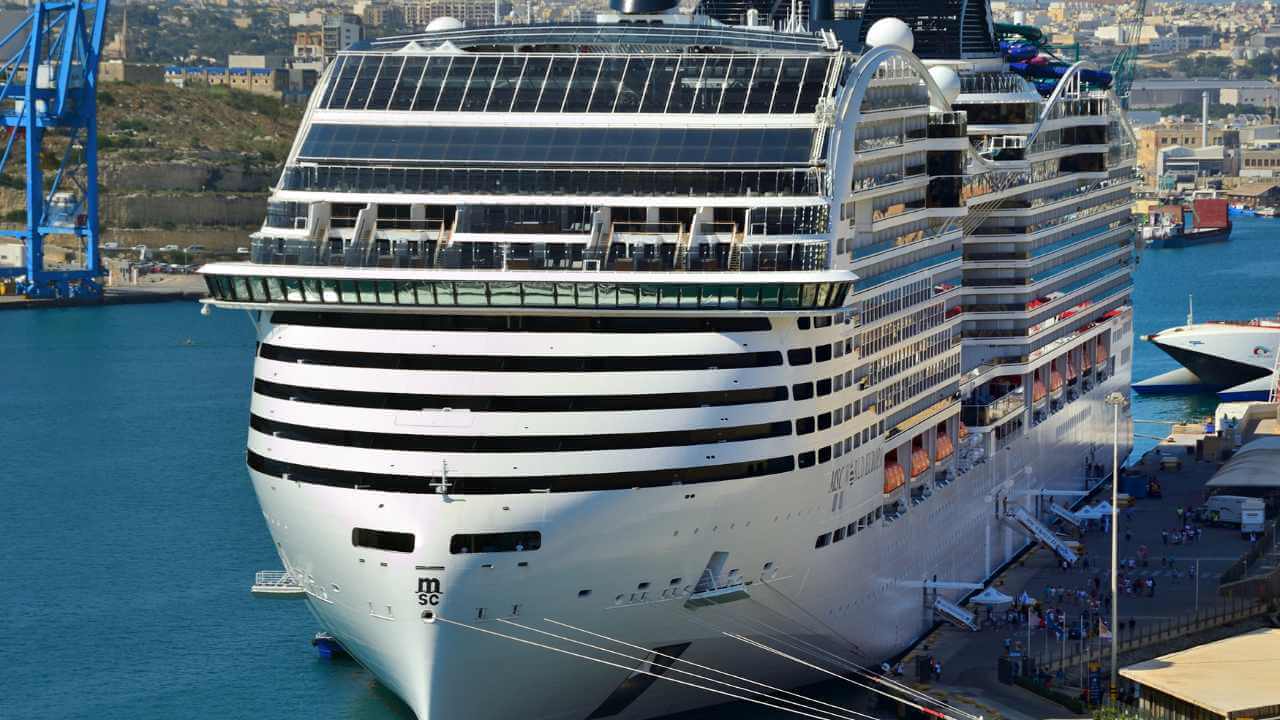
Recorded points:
608,37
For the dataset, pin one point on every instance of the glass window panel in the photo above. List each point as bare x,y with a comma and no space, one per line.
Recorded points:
648,296
241,289
824,292
711,86
633,81
556,85
686,85
565,294
504,84
811,89
365,289
343,76
407,85
770,296
386,292
808,295
388,77
710,297
606,295
606,91
628,295
749,297
311,291
446,293
762,87
329,291
659,88
689,296
404,293
256,290
538,294
364,83
481,83
293,290
583,82
432,81
504,294
784,99
455,84
349,293
587,295
737,85
790,296
470,292
425,292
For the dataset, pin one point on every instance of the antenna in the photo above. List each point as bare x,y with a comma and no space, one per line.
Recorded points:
442,487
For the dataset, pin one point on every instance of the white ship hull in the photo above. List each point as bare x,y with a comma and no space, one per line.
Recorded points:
1221,355
855,597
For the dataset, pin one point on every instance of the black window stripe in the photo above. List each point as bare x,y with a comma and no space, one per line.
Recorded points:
519,363
518,403
518,323
516,443
505,485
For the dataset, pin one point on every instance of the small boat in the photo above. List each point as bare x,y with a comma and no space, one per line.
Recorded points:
1269,212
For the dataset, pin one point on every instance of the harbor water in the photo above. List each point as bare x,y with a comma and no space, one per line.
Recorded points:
132,533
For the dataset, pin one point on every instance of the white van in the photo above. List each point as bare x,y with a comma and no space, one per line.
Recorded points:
1229,509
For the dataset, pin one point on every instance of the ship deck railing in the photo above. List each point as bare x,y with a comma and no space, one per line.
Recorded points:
276,582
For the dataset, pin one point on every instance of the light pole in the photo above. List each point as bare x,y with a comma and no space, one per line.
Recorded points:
1115,400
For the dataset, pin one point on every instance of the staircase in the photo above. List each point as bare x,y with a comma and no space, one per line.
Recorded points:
1043,533
955,614
1064,513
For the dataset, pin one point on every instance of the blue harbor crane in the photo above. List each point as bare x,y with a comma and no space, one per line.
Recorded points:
48,102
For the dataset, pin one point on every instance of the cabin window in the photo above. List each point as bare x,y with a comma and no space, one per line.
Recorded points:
495,542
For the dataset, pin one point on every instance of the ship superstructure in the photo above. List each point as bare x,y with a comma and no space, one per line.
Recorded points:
661,327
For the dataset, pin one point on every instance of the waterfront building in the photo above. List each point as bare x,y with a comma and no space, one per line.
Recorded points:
472,13
339,32
660,325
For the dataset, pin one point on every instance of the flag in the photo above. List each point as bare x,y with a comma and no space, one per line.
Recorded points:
1103,632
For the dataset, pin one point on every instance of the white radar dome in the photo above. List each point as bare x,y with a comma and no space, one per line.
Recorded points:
947,80
891,31
444,23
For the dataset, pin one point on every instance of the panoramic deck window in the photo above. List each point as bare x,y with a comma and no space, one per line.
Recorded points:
584,83
559,145
510,293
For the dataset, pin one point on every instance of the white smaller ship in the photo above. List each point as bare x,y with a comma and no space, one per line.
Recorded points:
1235,359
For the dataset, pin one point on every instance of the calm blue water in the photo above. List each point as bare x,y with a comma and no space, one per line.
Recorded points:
131,533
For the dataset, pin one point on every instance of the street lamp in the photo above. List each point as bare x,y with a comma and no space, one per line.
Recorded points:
1115,400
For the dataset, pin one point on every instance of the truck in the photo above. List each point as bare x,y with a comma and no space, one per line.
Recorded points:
1231,509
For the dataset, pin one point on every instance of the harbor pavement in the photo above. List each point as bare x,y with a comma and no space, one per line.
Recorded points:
969,659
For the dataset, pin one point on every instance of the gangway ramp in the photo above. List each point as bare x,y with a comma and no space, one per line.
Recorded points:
955,614
1064,513
1041,532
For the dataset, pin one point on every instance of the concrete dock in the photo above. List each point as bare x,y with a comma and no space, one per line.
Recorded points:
1185,602
151,289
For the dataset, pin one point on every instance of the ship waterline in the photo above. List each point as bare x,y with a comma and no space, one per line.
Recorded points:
837,324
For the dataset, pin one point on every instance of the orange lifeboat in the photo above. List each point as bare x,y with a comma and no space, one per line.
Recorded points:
1055,381
1071,370
963,432
1102,355
1037,391
942,448
1086,359
919,462
894,476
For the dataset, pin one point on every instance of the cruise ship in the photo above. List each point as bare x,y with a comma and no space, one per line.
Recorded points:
1236,360
590,351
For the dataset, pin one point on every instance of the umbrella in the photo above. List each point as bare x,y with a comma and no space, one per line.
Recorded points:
1103,507
1091,512
990,596
1025,599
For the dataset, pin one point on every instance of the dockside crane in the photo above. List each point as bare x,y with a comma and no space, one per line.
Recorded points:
48,104
1125,65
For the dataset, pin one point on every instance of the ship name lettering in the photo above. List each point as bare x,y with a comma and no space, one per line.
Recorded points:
429,591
